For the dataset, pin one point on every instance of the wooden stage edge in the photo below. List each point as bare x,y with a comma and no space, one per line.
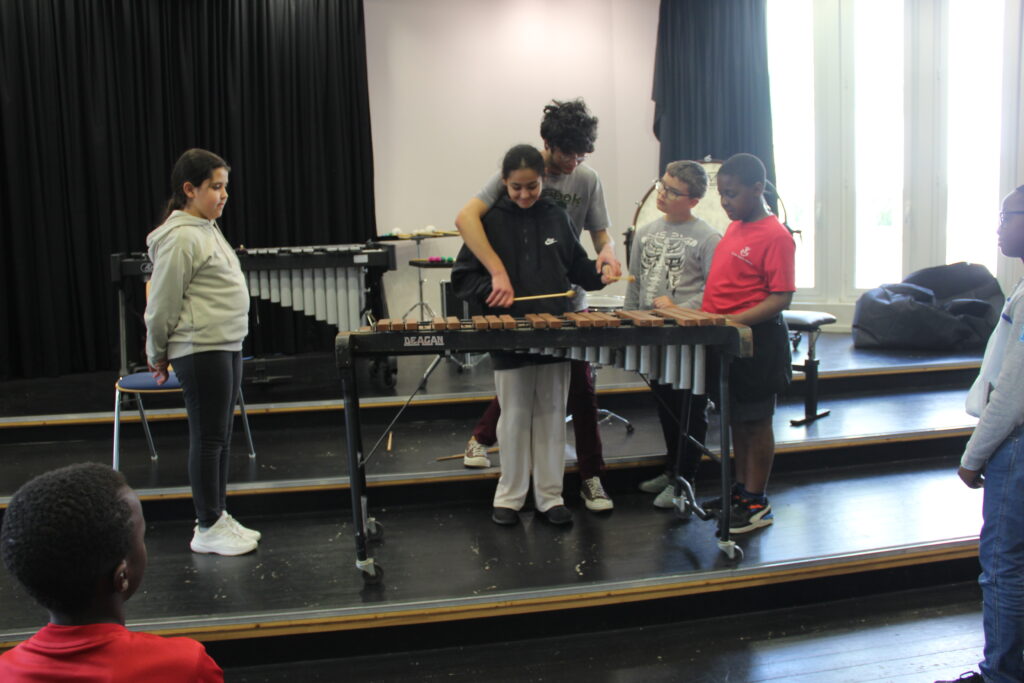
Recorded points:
299,622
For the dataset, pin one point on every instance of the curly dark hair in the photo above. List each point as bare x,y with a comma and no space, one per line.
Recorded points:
63,531
746,167
569,126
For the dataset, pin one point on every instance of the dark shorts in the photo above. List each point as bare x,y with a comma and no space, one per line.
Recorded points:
755,382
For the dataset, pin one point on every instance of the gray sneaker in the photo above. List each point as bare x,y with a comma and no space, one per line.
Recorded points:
594,497
664,500
476,454
657,484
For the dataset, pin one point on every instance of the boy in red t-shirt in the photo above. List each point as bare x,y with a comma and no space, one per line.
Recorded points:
752,281
74,538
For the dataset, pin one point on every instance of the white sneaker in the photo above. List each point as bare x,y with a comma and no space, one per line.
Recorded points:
664,499
476,454
242,530
221,539
594,496
657,484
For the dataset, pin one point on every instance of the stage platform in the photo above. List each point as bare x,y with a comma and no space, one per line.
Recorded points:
867,490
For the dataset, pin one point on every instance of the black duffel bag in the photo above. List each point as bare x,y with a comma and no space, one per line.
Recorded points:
953,307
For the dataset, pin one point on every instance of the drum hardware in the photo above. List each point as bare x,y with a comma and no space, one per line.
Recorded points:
421,304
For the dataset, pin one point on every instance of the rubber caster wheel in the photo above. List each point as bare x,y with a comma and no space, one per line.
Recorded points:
630,429
375,578
374,530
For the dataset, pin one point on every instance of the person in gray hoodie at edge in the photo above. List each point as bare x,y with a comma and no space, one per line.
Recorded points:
197,316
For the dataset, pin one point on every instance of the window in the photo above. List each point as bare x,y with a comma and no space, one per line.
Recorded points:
888,130
973,141
878,141
791,70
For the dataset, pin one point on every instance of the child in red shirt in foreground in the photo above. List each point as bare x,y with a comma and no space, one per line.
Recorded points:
752,280
74,538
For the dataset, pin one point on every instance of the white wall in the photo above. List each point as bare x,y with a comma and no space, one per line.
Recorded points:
455,83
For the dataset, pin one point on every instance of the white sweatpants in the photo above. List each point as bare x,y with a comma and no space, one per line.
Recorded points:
531,431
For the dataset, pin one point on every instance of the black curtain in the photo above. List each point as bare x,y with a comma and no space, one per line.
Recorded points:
711,81
97,100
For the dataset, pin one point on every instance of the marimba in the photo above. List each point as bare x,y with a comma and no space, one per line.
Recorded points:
667,345
326,282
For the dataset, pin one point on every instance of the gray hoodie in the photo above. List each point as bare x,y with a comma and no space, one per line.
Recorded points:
198,299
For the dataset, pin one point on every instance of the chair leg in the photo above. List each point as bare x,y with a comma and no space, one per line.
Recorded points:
116,464
245,424
145,427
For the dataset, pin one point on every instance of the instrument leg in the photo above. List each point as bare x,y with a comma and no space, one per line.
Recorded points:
725,543
362,524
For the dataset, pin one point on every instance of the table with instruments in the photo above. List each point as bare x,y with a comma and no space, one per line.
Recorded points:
334,283
667,345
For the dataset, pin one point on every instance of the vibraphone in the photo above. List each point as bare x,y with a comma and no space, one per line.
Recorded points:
666,345
326,282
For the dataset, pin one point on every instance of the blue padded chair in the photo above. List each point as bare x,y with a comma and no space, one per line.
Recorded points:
132,388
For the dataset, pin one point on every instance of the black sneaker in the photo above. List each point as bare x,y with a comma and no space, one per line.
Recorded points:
505,516
558,514
966,677
713,504
747,515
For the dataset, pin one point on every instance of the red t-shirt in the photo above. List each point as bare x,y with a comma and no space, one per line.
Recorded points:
752,261
108,653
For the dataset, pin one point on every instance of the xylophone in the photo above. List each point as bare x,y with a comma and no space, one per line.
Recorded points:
666,345
326,282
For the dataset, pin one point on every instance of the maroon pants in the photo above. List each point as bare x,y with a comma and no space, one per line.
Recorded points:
582,405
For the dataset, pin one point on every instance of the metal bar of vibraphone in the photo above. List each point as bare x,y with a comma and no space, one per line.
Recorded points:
356,296
275,286
319,295
308,292
264,284
286,288
341,280
330,296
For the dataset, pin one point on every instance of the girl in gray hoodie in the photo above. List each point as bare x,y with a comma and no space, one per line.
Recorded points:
196,318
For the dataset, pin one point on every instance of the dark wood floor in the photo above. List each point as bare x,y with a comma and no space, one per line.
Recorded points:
905,637
447,557
869,489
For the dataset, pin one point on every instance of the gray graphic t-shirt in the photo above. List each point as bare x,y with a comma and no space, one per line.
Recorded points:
670,259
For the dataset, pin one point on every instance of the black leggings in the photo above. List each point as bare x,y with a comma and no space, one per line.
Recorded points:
210,381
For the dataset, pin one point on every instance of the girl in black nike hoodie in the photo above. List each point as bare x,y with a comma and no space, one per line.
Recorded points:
536,242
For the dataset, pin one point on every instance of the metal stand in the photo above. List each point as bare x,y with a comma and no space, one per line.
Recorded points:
421,304
685,498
